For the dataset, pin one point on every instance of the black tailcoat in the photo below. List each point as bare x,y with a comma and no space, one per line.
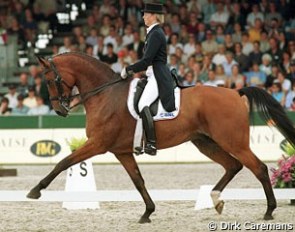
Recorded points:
155,54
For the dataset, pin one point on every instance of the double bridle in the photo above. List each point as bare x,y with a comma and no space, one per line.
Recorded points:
62,98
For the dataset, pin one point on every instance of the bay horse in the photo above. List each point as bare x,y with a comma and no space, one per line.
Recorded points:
215,120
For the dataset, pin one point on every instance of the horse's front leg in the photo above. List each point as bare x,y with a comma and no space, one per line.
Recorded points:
129,163
83,153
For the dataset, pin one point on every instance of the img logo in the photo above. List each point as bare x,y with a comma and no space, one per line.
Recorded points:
45,148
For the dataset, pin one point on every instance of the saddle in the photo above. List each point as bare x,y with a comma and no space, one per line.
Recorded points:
155,105
136,89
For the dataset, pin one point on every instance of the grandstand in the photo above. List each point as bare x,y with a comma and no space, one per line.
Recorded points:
242,42
49,32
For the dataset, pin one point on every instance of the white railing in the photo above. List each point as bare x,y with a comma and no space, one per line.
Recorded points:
201,196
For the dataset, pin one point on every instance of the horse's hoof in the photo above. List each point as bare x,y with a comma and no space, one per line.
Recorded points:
219,207
268,217
144,220
34,194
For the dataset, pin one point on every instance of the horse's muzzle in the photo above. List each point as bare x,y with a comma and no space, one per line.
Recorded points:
61,113
63,109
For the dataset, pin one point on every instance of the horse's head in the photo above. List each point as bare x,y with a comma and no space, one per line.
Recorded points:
59,83
64,71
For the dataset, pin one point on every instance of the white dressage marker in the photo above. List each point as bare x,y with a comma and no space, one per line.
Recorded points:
80,177
204,199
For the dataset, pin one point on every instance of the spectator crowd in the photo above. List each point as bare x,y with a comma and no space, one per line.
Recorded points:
221,43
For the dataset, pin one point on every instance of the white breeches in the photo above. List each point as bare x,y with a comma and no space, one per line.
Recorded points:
150,92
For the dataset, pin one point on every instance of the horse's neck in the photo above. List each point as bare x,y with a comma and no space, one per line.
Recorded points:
111,99
92,75
90,80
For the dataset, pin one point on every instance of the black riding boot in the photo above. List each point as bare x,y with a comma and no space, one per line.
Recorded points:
148,125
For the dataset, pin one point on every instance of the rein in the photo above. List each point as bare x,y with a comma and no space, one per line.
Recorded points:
93,92
65,100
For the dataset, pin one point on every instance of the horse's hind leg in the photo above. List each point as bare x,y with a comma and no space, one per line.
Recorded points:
79,155
248,158
231,165
129,163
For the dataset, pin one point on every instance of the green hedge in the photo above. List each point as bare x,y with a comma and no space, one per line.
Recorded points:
72,121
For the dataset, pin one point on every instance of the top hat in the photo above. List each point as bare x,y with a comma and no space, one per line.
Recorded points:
155,8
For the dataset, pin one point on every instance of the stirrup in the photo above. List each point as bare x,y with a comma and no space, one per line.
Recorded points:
138,151
150,149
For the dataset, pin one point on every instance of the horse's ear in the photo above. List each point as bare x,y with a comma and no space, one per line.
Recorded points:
42,61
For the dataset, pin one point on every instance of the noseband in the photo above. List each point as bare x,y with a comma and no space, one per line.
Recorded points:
63,100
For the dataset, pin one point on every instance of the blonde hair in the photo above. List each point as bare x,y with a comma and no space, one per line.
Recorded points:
160,18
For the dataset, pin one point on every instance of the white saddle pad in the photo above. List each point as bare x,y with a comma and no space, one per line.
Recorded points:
162,113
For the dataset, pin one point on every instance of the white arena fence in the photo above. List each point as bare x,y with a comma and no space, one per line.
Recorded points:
201,196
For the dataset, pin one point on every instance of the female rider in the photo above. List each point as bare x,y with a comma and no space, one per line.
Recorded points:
160,82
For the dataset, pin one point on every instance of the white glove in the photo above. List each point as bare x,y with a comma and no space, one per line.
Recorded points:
124,73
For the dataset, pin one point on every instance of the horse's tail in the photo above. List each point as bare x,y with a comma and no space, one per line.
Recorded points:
270,111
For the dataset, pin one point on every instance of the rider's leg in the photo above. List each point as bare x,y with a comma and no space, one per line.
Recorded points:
148,124
150,94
